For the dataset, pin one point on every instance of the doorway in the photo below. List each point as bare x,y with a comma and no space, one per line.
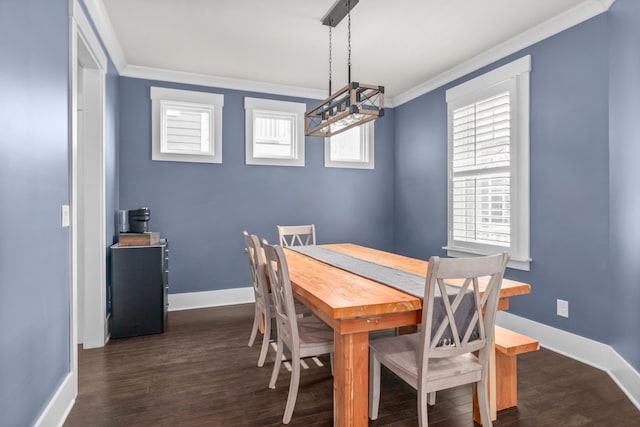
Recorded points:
89,323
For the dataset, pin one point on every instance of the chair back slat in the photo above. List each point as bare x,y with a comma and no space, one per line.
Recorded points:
278,270
297,235
258,273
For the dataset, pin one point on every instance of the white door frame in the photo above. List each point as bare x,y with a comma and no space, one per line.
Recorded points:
87,200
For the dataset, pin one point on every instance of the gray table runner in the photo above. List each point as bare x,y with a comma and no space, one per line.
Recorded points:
410,283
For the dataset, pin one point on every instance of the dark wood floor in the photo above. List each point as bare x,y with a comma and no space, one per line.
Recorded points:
201,373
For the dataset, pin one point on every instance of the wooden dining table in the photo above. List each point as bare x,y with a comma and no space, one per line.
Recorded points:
353,306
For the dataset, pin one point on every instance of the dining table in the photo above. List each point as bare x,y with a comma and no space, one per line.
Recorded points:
353,306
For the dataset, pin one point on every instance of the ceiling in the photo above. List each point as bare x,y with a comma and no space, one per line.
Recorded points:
398,44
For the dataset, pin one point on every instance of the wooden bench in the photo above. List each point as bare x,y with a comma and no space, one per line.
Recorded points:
509,345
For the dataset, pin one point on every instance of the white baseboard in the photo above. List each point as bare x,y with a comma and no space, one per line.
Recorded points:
191,300
585,350
60,404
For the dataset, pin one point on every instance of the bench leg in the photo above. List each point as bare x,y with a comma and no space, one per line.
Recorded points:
506,385
507,381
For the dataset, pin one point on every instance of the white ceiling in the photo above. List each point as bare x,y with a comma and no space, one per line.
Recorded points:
398,44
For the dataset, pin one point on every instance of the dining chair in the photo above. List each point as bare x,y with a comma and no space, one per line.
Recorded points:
304,337
296,235
263,307
441,355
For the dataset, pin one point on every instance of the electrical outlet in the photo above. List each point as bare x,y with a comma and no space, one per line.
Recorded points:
562,307
65,215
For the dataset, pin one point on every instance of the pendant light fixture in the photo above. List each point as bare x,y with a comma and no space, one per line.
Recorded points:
354,104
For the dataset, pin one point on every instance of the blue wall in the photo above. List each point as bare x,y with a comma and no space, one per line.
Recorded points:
203,208
34,249
624,114
569,179
584,109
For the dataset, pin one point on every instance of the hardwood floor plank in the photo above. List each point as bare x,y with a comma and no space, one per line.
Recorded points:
200,372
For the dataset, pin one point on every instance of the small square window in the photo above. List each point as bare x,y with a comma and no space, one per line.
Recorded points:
353,148
274,132
187,126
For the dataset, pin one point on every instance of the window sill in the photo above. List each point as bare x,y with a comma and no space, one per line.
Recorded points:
514,262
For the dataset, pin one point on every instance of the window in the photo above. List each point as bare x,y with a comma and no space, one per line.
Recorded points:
186,125
274,132
488,127
351,149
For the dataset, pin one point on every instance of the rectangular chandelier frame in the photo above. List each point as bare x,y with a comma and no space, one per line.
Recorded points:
353,105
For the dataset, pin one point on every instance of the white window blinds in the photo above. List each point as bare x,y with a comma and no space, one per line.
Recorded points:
348,146
274,132
186,128
273,135
351,149
481,178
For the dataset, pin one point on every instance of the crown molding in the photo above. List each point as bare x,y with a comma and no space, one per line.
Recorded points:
107,34
151,73
555,25
209,80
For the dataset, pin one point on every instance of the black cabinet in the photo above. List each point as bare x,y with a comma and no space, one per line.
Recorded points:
139,289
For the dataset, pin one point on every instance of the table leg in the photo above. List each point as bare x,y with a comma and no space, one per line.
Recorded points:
351,380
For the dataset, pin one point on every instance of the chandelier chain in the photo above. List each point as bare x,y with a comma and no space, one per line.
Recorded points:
349,40
330,60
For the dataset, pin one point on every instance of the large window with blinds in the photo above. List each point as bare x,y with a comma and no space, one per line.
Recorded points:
488,134
274,132
186,125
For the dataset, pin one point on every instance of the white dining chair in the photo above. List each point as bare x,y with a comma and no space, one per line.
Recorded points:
441,355
263,307
296,235
304,337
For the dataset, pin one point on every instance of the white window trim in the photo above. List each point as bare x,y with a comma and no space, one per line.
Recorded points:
211,100
518,72
368,135
297,109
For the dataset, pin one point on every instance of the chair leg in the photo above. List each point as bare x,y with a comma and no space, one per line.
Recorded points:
331,356
276,364
483,401
431,398
254,329
374,386
265,342
293,388
423,417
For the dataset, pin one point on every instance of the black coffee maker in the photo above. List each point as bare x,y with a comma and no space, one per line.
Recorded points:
139,220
